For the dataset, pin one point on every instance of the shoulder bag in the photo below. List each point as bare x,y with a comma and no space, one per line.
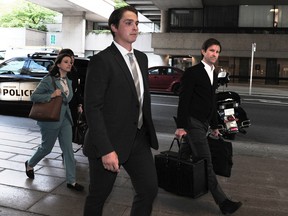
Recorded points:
48,111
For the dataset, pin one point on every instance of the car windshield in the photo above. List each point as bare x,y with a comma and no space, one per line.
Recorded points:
12,66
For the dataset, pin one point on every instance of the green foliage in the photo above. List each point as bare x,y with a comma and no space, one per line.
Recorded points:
102,31
28,15
120,3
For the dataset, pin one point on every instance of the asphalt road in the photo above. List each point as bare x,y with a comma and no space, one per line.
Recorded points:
268,117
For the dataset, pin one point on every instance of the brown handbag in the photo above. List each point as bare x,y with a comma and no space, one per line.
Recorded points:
48,111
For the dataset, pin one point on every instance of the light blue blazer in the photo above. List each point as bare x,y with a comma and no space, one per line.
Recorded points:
43,93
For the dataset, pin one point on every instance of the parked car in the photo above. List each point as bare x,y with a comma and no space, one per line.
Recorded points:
165,79
19,76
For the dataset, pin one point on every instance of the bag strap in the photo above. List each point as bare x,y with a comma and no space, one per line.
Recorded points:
172,143
53,82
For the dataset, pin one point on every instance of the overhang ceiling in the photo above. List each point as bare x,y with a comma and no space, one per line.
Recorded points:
93,13
152,8
149,8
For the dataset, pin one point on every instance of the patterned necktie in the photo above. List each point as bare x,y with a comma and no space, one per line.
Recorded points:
137,86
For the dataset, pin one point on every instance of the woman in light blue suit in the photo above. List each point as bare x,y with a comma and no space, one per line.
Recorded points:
61,129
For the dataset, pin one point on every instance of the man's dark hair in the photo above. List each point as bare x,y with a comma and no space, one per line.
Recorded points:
117,14
209,42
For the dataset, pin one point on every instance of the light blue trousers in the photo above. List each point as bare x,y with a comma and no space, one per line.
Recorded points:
49,137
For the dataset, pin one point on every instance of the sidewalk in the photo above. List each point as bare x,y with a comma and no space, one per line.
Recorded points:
258,89
259,180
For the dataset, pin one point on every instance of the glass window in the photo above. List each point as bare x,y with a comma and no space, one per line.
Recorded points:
40,66
186,18
221,16
12,66
255,16
281,16
153,71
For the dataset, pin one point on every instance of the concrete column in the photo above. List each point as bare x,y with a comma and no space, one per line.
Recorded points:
73,32
164,21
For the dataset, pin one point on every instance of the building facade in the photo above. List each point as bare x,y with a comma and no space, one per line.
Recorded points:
241,29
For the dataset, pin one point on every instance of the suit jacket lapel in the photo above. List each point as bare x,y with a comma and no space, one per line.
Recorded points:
121,62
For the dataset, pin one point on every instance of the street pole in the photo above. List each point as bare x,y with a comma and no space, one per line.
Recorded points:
251,70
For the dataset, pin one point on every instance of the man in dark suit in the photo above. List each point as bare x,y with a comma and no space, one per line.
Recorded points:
118,112
197,111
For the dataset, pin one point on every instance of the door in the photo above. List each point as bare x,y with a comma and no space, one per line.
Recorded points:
244,70
272,72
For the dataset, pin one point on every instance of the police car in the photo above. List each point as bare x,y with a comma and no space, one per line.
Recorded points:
19,76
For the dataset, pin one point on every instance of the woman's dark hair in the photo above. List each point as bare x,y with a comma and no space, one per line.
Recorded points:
117,14
55,70
71,53
66,51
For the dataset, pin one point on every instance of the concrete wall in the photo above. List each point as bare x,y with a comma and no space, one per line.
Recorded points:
236,45
93,43
97,42
18,37
35,38
72,38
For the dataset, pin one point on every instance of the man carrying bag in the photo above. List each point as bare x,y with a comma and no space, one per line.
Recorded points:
197,111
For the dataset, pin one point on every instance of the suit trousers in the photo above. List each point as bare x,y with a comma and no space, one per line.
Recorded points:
141,169
49,137
197,135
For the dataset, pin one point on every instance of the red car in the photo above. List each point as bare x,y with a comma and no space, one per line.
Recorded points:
165,79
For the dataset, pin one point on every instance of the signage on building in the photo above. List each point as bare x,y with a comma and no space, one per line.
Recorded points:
52,39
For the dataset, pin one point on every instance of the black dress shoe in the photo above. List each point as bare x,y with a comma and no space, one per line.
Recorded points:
76,187
229,207
29,173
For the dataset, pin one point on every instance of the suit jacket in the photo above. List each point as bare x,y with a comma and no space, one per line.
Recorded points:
197,97
77,94
43,94
112,106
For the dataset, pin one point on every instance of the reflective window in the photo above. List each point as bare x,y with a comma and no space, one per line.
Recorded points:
12,66
281,16
153,71
186,18
256,16
40,66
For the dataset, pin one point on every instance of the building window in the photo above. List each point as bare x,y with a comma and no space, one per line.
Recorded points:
186,18
224,17
256,16
281,16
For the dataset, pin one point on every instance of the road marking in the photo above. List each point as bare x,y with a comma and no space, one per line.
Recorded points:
161,104
263,101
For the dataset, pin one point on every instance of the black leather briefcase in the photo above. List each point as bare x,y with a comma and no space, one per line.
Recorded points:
181,175
221,155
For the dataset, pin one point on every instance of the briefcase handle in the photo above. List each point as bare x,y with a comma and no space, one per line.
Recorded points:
184,149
